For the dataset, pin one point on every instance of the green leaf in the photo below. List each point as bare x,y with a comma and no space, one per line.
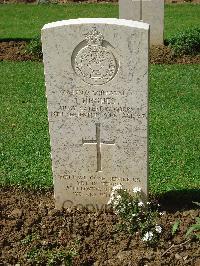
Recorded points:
198,220
194,227
198,236
175,227
197,203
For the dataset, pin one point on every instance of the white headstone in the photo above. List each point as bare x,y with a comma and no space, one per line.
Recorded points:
148,11
96,73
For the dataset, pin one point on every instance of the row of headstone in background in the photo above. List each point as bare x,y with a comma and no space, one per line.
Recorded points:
148,11
96,73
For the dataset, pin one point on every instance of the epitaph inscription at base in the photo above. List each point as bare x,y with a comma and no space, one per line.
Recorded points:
96,73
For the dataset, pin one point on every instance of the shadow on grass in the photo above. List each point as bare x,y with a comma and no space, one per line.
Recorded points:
16,39
179,200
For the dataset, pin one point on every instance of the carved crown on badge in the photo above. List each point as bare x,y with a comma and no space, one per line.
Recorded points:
94,37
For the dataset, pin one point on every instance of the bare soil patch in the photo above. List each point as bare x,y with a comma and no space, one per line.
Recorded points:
164,55
29,224
15,51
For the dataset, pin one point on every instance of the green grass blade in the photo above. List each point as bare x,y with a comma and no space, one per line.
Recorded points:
175,227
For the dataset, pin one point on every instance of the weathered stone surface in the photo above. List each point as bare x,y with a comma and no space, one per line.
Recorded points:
96,73
148,11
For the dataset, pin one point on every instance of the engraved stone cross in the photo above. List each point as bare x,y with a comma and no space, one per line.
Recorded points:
141,10
98,143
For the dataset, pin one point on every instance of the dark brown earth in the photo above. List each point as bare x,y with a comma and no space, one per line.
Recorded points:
15,51
164,55
32,231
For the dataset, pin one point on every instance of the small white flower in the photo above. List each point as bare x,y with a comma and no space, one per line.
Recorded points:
140,204
161,213
148,203
116,211
116,200
111,199
117,187
112,193
148,236
115,203
136,189
158,229
118,197
109,202
133,215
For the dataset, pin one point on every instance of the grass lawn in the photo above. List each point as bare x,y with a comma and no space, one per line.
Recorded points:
174,127
174,139
25,21
25,148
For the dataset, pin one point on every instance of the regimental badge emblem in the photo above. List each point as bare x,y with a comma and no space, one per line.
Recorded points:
93,60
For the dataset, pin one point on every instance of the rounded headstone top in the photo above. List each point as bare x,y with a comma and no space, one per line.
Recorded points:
115,21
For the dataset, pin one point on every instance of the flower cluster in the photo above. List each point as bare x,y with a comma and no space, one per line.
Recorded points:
148,236
136,214
136,189
115,197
